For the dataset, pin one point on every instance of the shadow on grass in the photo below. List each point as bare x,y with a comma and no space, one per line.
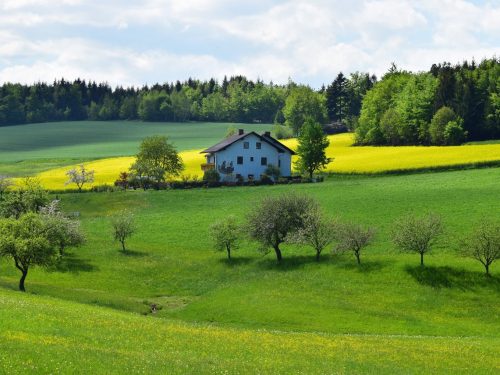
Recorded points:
448,277
236,261
69,263
292,262
365,266
133,253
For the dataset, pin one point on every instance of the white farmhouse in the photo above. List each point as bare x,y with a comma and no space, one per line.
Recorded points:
247,155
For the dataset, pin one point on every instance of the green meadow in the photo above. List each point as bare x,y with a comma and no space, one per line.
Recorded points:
32,148
251,315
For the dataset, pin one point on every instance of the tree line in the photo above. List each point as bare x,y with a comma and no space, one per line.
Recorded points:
298,219
449,104
236,99
445,106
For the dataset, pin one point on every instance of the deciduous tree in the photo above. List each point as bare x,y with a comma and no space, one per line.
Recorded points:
312,148
225,235
483,243
417,234
275,218
28,242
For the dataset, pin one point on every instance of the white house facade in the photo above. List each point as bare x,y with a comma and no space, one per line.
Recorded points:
247,156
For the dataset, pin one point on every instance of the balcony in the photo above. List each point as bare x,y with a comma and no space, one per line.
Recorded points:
207,166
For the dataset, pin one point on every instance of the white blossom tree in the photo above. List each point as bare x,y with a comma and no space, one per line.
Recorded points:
80,176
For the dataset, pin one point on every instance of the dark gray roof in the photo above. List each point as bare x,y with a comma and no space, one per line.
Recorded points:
230,140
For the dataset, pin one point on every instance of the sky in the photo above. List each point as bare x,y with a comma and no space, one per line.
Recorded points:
125,42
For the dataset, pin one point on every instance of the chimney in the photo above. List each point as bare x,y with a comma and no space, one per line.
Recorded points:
241,131
267,134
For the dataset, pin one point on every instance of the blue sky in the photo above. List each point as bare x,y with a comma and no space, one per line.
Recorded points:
147,41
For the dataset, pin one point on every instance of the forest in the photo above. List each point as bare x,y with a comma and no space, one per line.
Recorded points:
449,104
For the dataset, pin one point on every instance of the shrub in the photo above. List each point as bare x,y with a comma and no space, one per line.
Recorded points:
454,133
282,132
438,124
273,172
266,180
211,175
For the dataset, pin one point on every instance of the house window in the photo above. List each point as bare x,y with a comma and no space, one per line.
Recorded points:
239,160
258,145
263,161
251,158
279,163
246,145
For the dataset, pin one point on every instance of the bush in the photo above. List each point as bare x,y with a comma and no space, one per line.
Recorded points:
211,175
438,124
282,132
273,172
454,133
266,180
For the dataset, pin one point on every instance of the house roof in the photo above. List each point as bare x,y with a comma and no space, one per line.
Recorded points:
234,138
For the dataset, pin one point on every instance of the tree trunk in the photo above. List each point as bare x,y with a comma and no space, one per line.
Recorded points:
318,253
422,259
228,252
358,258
487,267
311,174
21,282
123,245
278,253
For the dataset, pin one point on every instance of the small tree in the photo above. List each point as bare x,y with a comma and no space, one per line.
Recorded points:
417,234
231,130
225,235
275,218
30,197
80,176
28,242
157,159
483,244
5,184
311,149
353,237
317,232
123,227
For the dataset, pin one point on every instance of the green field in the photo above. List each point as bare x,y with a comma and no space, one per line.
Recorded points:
29,149
252,315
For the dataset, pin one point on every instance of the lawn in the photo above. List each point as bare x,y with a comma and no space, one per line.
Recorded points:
388,315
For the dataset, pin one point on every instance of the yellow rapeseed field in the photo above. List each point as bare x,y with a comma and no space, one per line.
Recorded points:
347,159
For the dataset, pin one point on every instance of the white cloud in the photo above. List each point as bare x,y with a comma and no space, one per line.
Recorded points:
310,41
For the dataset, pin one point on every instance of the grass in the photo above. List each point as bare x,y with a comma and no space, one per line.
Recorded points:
43,335
43,146
388,315
346,159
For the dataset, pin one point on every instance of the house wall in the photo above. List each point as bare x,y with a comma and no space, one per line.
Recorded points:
254,167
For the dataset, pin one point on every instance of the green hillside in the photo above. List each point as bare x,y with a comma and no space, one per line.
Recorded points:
418,318
43,335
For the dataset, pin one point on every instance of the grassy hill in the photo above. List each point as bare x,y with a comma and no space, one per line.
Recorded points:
387,315
43,335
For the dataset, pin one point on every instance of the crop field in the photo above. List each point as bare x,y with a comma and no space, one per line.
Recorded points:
346,159
251,315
